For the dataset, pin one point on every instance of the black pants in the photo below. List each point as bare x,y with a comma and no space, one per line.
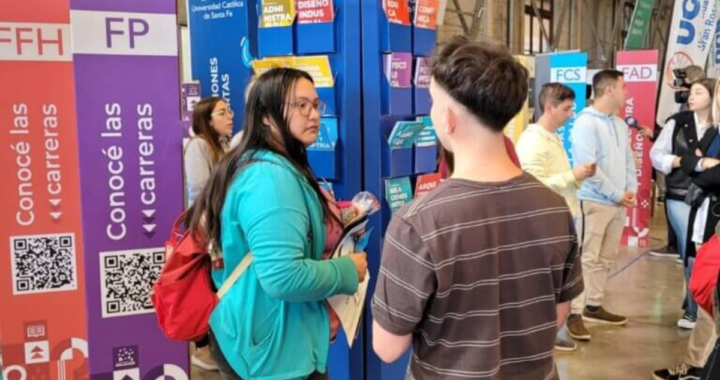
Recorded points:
204,342
712,368
227,371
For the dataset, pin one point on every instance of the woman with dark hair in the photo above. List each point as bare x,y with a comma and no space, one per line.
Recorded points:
702,164
212,127
262,199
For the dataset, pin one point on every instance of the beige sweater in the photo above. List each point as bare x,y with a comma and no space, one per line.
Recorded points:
542,154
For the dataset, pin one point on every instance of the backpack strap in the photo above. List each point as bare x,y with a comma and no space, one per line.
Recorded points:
247,260
236,273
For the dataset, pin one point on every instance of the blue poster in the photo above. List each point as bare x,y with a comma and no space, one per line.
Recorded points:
327,135
428,136
570,69
221,33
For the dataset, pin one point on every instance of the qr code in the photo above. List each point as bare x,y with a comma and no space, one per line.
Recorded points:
126,278
43,263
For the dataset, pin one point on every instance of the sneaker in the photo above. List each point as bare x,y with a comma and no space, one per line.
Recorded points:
576,328
202,359
564,345
680,372
665,252
603,316
686,322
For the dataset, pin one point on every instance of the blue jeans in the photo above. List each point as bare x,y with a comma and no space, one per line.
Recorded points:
679,215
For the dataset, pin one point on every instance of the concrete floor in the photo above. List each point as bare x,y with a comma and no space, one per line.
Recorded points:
648,291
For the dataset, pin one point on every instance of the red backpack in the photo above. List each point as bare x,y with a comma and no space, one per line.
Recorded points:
705,271
183,296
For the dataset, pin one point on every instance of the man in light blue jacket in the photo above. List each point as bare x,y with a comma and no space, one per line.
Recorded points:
601,137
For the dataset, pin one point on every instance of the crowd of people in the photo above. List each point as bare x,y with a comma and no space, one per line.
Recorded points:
479,276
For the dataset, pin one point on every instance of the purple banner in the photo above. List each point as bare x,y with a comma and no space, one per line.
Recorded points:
398,69
422,72
191,95
133,6
129,128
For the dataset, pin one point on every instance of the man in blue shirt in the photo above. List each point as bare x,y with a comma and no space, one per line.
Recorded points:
601,137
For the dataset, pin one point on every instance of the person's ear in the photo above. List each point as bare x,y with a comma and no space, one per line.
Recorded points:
451,120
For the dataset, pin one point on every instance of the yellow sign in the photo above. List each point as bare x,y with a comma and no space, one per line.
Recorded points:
261,66
277,13
317,66
517,125
319,69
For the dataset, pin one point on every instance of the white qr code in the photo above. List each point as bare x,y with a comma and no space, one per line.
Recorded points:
43,263
126,278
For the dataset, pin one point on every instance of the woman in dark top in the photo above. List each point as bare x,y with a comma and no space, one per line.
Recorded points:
703,195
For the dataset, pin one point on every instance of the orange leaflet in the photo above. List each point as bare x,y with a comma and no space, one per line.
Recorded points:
397,11
426,14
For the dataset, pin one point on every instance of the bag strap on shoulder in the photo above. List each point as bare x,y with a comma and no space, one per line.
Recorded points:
236,273
247,260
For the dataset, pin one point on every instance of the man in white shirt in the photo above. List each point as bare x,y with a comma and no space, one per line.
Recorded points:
542,154
600,137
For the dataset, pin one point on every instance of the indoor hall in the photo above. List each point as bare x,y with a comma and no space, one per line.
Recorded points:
73,304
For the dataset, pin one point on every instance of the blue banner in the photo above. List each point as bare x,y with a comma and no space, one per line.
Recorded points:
570,69
221,33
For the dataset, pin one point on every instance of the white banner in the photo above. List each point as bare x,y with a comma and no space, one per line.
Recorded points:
35,42
713,65
692,34
639,73
121,33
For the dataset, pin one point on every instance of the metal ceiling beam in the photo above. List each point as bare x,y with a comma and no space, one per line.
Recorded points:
461,16
539,19
558,27
478,13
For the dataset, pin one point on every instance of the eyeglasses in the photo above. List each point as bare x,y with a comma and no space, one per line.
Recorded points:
306,106
223,112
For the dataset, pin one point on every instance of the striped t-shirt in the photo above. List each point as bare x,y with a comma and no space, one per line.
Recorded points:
474,271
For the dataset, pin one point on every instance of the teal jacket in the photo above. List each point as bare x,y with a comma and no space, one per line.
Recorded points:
273,323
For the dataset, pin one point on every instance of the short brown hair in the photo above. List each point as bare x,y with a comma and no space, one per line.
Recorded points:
694,73
483,77
555,93
603,79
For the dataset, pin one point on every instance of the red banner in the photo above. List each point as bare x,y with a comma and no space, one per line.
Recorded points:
426,183
641,74
42,283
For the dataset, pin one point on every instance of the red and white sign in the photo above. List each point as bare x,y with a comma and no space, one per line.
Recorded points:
314,11
37,352
426,184
640,68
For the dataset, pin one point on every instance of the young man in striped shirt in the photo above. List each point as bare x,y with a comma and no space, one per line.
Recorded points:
479,274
